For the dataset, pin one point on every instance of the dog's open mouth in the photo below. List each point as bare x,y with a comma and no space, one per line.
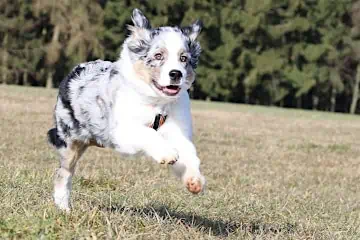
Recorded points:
170,90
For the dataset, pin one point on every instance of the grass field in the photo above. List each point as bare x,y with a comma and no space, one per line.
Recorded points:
272,174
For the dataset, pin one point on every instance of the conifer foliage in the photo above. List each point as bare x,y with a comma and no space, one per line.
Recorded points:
289,53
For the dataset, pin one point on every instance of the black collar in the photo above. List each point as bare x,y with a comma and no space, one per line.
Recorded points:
158,122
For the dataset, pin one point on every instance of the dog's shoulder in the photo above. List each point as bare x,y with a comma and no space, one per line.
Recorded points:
84,72
88,70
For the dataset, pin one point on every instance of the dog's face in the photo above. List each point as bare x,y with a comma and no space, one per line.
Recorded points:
165,57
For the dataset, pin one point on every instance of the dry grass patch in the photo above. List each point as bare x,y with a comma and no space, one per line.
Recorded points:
272,174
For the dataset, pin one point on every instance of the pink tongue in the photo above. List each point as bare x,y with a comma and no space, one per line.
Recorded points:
170,90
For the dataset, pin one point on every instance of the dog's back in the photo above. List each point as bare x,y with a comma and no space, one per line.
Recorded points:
82,108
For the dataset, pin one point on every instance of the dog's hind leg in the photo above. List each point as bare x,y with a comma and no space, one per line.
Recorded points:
69,155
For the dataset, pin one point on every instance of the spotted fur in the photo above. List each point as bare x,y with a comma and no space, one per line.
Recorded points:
112,104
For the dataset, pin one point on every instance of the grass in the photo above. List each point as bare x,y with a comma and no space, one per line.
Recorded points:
272,174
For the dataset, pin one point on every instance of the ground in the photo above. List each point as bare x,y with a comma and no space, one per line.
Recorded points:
272,174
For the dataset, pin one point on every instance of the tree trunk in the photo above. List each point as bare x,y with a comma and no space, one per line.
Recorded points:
56,34
52,57
17,78
247,96
273,91
49,79
355,95
4,64
25,78
5,67
281,104
299,102
333,100
315,100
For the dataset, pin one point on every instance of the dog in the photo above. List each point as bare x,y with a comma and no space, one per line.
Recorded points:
137,104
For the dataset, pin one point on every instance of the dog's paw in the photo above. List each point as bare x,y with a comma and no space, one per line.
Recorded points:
61,199
65,209
195,184
170,157
62,205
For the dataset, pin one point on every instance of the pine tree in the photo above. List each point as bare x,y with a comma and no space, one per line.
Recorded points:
72,30
355,14
288,53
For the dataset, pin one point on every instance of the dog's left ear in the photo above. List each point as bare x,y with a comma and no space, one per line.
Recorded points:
140,20
193,30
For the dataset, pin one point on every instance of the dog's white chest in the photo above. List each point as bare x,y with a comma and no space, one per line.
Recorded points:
128,112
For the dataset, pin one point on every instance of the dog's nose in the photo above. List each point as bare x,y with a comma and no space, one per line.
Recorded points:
175,76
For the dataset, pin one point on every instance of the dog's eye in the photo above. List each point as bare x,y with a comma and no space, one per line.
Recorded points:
183,58
158,56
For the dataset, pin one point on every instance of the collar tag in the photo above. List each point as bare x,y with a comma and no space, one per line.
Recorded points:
158,122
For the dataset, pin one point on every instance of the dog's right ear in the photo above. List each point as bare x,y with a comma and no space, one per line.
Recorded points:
193,30
140,35
140,20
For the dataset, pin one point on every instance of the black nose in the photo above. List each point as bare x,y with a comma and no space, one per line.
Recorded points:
175,76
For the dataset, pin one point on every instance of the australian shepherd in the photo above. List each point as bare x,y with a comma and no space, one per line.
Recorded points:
139,103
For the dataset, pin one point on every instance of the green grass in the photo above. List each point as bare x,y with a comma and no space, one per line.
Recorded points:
272,174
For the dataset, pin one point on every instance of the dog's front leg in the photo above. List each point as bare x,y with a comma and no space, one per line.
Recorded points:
177,131
188,166
134,139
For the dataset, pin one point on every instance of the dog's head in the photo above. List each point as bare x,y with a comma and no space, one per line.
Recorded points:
164,57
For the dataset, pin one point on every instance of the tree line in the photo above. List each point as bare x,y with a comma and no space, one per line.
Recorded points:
288,53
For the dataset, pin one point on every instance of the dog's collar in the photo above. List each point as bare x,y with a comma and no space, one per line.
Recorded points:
158,122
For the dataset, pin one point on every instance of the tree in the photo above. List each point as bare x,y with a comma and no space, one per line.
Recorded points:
17,31
71,30
355,14
289,53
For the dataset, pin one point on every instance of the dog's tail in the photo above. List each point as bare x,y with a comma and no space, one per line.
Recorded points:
54,138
